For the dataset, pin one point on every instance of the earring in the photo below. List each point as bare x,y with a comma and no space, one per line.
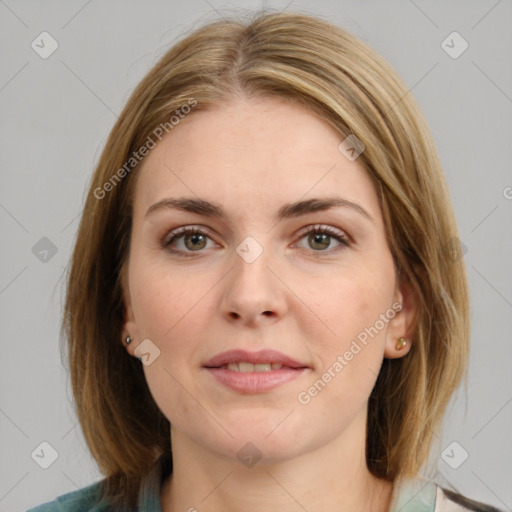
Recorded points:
401,343
128,340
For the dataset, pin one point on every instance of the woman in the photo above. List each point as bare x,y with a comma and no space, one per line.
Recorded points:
263,280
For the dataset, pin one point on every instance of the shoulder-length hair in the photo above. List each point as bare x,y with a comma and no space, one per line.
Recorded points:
298,58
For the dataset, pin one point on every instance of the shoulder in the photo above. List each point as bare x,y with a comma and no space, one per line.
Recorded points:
89,499
422,495
449,501
86,499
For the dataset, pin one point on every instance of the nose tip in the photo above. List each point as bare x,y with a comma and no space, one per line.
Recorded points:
251,290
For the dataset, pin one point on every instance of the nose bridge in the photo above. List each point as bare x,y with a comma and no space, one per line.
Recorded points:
252,289
251,263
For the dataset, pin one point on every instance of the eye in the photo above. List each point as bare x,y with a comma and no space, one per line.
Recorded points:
320,237
193,238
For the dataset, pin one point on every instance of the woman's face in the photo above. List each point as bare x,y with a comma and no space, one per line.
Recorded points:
251,278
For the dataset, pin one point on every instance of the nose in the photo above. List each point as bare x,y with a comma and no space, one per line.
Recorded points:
253,293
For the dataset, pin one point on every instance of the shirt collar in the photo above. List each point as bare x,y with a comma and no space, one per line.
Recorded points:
149,493
414,495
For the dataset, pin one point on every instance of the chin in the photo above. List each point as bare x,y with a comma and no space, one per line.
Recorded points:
270,442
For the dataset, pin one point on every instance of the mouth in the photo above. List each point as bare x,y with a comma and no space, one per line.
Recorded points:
245,367
254,372
245,361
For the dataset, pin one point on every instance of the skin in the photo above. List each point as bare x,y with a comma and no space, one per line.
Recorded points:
251,157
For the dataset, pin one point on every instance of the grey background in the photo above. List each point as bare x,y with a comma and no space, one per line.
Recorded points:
57,112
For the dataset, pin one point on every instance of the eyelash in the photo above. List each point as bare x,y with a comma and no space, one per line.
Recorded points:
181,232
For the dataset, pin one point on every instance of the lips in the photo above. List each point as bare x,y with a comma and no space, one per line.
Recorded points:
262,357
253,372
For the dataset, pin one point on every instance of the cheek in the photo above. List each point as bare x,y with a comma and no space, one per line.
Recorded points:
165,299
350,357
350,341
170,311
346,304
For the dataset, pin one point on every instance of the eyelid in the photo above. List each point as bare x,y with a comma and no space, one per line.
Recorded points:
324,228
184,230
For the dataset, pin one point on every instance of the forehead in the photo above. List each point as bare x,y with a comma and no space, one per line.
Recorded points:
252,154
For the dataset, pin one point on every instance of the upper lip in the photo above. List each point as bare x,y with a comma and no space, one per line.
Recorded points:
261,356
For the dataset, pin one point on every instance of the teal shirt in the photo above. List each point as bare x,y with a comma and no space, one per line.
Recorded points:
87,498
417,495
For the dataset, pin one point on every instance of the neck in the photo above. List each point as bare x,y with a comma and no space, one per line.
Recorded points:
331,477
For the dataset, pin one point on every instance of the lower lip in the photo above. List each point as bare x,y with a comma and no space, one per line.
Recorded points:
255,382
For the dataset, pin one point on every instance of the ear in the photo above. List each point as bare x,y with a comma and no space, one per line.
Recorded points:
129,323
403,324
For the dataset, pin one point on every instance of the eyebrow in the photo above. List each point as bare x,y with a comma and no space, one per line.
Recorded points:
287,211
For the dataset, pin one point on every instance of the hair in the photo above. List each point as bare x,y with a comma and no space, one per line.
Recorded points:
303,59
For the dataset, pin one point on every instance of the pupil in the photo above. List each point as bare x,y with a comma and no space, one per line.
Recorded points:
321,239
194,239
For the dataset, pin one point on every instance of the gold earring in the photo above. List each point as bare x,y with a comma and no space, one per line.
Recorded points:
401,343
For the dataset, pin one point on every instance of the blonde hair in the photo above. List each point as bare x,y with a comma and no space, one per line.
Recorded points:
304,59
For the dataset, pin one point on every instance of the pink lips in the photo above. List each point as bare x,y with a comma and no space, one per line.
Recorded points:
262,356
254,382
